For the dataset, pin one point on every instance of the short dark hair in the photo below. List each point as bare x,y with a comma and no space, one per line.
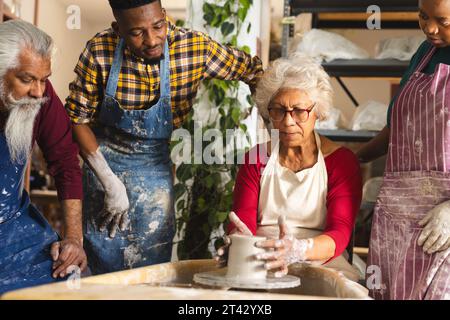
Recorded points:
129,4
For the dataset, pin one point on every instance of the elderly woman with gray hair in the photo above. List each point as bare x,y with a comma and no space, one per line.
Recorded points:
301,191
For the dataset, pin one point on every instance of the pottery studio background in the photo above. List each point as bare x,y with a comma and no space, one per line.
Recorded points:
359,109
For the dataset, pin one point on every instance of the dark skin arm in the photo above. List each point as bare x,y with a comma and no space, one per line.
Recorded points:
115,213
69,252
85,138
375,148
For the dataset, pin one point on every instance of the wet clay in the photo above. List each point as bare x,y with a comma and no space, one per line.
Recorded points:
242,262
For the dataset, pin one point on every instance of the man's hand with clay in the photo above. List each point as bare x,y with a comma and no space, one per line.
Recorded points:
435,235
241,228
115,212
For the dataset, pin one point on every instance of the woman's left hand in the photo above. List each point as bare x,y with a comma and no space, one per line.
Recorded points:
435,236
284,251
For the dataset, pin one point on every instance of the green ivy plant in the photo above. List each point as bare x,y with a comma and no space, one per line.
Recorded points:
204,193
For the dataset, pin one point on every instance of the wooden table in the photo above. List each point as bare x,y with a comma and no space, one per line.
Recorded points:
173,281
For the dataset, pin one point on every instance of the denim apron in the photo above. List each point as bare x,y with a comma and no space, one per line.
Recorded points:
135,143
25,235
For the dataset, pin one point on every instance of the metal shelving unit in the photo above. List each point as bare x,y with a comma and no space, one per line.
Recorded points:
386,68
348,135
352,14
299,6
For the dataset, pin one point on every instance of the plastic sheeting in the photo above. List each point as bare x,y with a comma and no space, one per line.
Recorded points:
328,46
361,266
370,116
401,48
332,122
371,189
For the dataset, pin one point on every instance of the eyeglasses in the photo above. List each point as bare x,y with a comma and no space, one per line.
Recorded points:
299,115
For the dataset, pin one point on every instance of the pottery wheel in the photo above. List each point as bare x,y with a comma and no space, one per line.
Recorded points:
218,278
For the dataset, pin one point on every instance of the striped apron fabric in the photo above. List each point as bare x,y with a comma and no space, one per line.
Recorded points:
417,178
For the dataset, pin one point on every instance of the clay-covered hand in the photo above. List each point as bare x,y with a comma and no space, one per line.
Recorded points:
241,228
435,236
66,253
284,251
115,211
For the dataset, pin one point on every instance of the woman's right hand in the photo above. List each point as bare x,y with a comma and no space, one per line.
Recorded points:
240,228
283,251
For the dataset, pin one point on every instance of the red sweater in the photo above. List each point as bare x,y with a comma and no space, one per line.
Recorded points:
53,133
343,197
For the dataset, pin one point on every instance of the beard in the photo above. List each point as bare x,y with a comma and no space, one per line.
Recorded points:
20,124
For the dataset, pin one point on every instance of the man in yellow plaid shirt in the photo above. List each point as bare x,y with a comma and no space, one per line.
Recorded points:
135,83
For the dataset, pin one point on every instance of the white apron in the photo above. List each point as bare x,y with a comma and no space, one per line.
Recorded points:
301,198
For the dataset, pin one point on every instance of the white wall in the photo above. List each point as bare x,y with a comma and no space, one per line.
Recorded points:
175,8
27,9
95,16
69,43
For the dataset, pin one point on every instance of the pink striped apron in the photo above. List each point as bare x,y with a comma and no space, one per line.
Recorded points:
417,178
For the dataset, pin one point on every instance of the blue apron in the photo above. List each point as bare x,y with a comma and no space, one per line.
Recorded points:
25,235
135,144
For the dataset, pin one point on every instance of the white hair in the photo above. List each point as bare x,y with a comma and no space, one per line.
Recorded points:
298,71
16,35
20,123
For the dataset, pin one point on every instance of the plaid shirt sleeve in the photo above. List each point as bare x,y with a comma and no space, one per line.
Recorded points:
227,63
84,96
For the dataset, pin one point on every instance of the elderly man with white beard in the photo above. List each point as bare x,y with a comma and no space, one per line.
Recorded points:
31,252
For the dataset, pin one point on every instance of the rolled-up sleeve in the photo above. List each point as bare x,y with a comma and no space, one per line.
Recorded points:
83,100
246,195
227,63
54,137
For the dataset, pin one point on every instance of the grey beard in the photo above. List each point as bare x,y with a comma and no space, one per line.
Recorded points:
20,124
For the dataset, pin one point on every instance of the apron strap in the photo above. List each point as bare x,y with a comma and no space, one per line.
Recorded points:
165,72
426,59
113,79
